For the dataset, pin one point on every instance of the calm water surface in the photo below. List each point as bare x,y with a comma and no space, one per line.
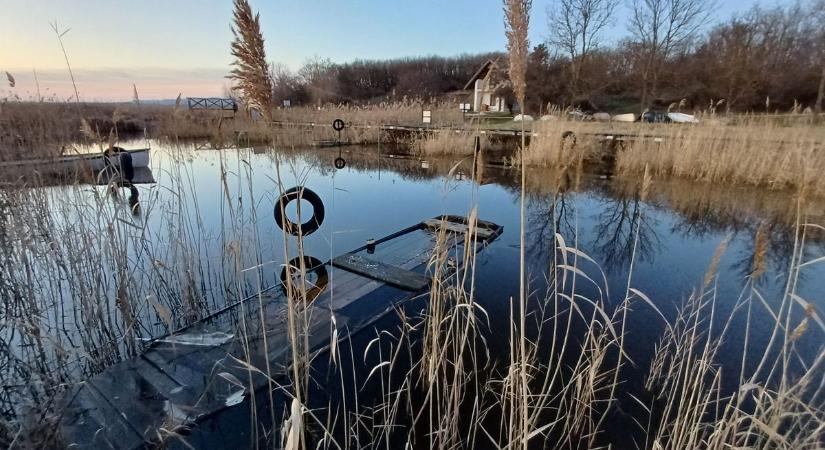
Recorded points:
679,224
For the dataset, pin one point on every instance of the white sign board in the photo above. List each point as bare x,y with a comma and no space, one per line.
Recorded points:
427,117
464,107
287,103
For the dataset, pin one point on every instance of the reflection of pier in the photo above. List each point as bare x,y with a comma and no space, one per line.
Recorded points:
142,175
188,376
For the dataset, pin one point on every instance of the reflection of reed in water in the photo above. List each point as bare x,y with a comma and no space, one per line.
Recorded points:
701,209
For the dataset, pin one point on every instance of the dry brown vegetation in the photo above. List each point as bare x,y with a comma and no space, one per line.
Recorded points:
40,129
748,151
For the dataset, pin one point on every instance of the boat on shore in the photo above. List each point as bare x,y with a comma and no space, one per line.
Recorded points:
682,118
629,117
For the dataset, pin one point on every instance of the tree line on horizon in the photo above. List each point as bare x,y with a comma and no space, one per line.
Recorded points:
762,60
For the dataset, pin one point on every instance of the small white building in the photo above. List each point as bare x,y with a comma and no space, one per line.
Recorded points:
483,84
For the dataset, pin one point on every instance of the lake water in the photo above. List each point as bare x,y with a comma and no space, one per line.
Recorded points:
214,209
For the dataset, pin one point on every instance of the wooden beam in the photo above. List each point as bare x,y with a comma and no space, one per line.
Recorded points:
436,224
377,270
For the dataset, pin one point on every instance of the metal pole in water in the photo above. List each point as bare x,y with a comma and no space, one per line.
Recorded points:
476,154
380,127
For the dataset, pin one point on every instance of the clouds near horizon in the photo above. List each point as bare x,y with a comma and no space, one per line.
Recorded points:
95,85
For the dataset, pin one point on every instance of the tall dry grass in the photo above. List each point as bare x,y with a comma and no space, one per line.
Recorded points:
41,129
749,152
402,112
739,151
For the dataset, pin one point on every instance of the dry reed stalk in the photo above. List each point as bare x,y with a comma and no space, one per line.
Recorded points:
517,22
60,35
251,70
448,143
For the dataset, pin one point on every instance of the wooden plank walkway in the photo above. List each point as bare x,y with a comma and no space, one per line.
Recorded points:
606,137
185,377
599,136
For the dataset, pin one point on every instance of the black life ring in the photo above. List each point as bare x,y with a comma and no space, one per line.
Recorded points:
568,136
340,163
311,264
337,124
310,225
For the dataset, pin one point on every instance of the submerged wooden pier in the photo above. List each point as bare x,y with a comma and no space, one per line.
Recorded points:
184,378
483,131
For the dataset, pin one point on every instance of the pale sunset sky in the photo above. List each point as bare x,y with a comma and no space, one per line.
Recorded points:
166,47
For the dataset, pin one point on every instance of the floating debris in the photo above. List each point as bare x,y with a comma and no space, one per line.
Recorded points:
209,339
235,398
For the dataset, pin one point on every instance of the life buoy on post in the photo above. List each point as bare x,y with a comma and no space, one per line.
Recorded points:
337,124
340,163
308,227
569,137
311,265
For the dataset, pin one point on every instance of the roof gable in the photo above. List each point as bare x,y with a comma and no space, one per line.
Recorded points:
480,74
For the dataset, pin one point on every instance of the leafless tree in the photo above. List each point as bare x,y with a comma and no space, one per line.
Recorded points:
661,27
320,75
286,85
576,27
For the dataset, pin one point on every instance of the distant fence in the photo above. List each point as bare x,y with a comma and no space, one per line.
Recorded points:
213,103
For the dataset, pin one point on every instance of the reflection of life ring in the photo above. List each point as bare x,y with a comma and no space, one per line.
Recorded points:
310,265
337,124
340,163
308,227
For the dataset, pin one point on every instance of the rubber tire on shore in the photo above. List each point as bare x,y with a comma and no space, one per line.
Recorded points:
308,227
311,264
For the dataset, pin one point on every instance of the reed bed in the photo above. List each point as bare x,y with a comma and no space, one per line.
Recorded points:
746,153
739,150
88,279
42,129
450,143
